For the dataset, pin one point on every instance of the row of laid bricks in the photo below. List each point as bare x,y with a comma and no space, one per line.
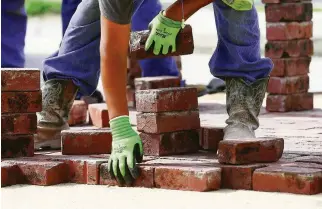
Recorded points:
299,175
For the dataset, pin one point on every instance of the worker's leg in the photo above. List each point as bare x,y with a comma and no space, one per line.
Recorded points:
140,21
237,59
13,32
67,11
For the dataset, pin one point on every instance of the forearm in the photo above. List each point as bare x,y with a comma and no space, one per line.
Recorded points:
174,11
113,51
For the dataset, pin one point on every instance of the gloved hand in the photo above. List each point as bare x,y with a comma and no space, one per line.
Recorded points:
164,32
240,5
127,150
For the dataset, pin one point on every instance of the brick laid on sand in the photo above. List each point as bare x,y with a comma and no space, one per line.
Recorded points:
210,137
156,123
85,141
19,123
23,79
288,179
17,146
291,102
99,115
21,102
167,100
247,151
10,174
157,82
78,113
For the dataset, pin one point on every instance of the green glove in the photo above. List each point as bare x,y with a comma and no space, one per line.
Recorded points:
127,150
164,32
240,5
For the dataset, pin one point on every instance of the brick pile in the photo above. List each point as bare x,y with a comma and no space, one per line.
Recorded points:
168,120
289,45
21,98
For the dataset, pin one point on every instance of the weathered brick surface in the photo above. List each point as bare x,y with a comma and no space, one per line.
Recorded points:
24,79
292,48
210,137
282,1
289,12
184,44
156,123
99,115
286,67
82,141
288,179
246,151
291,102
10,174
93,172
78,113
288,31
21,102
21,123
170,143
167,100
145,179
17,146
288,85
188,178
157,82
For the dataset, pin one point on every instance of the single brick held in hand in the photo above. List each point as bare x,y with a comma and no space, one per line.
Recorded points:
157,82
170,143
187,178
78,113
21,102
288,31
99,115
247,151
289,12
17,146
210,137
288,85
167,100
24,79
10,174
21,123
184,44
288,179
291,102
156,123
292,48
286,67
85,141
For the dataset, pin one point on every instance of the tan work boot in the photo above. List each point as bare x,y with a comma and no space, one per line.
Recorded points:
57,99
243,104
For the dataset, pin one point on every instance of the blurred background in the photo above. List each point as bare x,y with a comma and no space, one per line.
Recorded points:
44,33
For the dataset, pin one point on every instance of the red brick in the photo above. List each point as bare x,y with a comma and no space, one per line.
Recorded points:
21,102
78,113
17,146
170,143
282,1
23,79
93,171
44,172
286,67
288,85
246,151
288,31
145,179
22,123
187,178
156,123
288,179
291,102
184,44
210,138
292,48
10,174
82,141
133,71
167,100
157,82
99,115
289,12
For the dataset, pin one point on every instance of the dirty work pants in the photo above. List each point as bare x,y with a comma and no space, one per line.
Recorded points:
13,32
78,57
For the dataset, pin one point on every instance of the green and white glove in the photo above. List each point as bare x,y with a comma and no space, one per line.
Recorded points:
127,150
164,32
240,5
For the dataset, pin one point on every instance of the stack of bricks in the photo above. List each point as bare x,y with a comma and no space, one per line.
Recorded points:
168,119
289,45
21,98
